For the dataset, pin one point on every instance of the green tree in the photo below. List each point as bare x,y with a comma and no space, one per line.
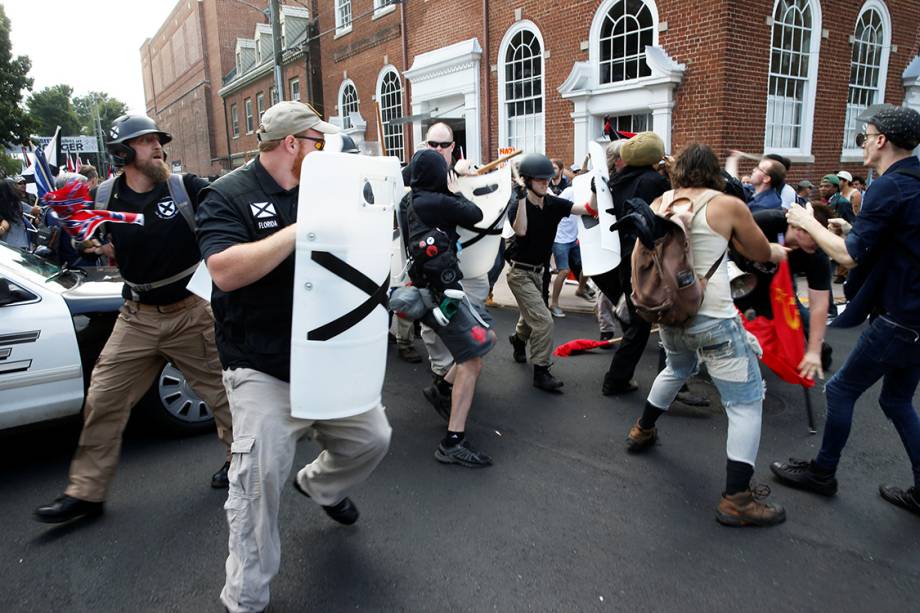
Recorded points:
108,108
9,165
14,123
52,107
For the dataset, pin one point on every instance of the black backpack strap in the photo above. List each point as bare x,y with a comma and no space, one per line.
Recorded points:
104,194
181,199
715,266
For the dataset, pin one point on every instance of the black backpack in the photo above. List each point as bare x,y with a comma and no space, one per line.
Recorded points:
433,261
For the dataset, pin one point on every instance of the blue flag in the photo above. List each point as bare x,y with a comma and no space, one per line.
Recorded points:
44,182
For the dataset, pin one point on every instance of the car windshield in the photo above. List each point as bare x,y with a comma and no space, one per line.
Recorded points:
37,267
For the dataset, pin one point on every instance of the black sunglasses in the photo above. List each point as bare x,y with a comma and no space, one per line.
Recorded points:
862,136
318,143
442,145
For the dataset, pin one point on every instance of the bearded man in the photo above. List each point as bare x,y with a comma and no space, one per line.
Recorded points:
160,319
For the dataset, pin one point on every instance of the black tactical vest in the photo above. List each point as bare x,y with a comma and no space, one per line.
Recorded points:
254,322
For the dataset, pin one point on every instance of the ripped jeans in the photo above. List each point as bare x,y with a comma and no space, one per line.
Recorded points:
728,352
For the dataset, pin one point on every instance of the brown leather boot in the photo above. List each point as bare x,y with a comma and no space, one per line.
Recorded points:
640,439
745,509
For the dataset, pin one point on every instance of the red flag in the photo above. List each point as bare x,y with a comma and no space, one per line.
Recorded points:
70,167
783,337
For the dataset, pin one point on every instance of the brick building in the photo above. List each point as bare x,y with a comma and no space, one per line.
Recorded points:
207,77
788,76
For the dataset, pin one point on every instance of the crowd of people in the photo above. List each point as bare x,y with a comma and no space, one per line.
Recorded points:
235,351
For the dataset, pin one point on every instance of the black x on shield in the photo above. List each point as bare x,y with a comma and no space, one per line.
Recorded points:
377,294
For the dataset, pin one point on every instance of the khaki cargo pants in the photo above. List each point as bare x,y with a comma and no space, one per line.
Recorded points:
535,323
265,441
143,338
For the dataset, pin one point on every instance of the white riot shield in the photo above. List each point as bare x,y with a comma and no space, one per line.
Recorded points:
609,240
344,240
595,260
490,192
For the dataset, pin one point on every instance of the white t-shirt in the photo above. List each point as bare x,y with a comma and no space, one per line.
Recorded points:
787,195
567,230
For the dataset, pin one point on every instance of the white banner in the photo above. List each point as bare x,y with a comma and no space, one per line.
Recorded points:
73,144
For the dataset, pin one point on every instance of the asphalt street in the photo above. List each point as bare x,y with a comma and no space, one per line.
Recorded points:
564,521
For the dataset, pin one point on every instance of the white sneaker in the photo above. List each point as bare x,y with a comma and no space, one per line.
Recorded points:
557,312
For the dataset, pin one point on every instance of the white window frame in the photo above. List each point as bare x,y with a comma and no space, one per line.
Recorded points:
849,151
346,121
294,82
503,132
260,104
383,7
234,120
247,112
802,153
594,41
273,96
398,133
342,24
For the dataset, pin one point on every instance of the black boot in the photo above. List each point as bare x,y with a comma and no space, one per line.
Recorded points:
613,387
805,475
520,348
66,508
221,480
543,380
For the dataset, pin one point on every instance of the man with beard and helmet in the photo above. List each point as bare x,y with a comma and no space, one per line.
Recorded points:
159,321
535,215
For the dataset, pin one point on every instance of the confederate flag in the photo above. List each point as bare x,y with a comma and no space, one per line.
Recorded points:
73,206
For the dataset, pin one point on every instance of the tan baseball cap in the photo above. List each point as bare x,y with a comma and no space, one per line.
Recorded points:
643,149
291,117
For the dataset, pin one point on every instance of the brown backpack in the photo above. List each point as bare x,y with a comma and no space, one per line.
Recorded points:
666,289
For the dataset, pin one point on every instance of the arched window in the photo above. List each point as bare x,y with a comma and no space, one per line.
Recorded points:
348,103
868,66
521,89
389,93
793,71
627,29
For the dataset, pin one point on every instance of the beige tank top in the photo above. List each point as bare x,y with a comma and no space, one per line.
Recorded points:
707,245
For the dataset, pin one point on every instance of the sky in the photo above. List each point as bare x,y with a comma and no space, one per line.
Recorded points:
91,45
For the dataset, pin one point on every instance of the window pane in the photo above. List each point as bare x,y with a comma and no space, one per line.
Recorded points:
865,72
627,30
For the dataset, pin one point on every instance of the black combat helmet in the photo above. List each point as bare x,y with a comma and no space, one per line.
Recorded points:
127,127
536,166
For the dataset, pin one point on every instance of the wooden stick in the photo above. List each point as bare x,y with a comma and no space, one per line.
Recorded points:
492,165
383,146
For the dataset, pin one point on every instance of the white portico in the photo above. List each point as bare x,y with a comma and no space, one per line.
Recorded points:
445,86
653,95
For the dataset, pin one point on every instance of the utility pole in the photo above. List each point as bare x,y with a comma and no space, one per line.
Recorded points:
275,11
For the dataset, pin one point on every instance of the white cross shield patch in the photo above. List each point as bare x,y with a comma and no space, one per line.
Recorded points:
262,210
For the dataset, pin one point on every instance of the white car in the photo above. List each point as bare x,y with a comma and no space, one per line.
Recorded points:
53,324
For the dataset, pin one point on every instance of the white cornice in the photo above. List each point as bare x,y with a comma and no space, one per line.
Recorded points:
446,60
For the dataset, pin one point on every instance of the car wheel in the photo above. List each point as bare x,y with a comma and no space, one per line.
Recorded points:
175,406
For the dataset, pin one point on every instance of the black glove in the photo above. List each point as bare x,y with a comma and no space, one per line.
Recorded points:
520,192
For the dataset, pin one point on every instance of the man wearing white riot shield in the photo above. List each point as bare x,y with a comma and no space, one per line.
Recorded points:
247,230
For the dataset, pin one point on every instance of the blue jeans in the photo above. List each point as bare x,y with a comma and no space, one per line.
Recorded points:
726,349
884,351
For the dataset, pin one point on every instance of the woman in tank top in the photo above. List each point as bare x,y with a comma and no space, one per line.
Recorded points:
715,335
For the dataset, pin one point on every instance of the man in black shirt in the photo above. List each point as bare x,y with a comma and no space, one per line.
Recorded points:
160,320
247,232
535,215
805,258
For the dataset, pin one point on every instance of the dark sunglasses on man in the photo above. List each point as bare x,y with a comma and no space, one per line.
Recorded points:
440,145
318,143
862,136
